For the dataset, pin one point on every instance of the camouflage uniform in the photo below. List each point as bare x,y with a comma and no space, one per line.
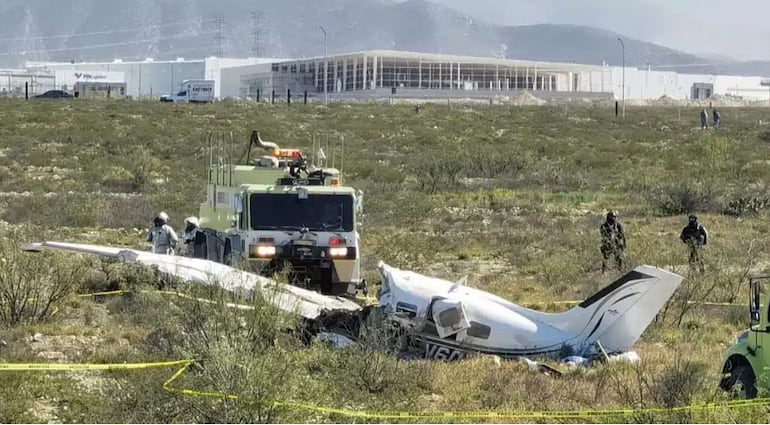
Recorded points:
613,241
696,237
162,236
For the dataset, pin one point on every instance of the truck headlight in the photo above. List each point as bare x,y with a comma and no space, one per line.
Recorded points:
338,251
263,251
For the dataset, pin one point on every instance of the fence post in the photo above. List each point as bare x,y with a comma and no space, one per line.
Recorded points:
109,90
257,95
305,97
616,108
288,96
272,99
26,90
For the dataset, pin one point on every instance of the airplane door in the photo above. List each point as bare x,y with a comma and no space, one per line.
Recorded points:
449,317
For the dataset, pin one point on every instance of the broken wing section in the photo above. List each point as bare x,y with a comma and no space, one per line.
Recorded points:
290,299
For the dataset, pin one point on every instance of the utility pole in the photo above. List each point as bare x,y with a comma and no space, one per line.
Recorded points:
257,33
765,82
218,36
624,76
326,67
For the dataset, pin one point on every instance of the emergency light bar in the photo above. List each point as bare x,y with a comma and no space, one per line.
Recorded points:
287,153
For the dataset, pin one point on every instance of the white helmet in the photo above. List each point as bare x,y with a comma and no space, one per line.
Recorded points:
192,220
163,217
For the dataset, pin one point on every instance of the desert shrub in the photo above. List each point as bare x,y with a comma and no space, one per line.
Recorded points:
105,275
245,354
744,206
677,383
32,286
764,136
17,393
372,364
687,198
439,173
139,397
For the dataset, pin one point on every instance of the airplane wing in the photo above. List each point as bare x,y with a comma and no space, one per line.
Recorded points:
291,299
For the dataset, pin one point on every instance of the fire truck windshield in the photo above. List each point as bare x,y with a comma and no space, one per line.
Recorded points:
289,212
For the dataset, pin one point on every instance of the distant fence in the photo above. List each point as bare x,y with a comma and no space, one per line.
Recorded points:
399,95
21,84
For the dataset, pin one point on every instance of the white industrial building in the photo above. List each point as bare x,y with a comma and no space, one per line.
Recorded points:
379,73
383,72
14,82
149,77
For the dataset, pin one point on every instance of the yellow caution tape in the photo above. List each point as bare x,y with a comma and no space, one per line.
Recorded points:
175,293
185,364
88,366
368,299
468,414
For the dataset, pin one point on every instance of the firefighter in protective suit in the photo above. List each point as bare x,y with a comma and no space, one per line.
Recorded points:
161,236
696,237
190,232
613,241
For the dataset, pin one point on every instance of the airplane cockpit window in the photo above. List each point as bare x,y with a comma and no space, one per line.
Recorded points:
477,330
449,318
409,309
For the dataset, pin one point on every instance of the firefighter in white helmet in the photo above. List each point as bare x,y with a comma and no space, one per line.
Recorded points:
190,232
162,237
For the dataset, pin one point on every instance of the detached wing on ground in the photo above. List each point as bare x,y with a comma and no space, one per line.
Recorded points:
291,299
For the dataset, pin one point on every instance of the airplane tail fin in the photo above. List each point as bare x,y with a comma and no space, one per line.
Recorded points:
618,314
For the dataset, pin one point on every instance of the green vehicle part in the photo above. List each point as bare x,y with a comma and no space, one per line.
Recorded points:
746,363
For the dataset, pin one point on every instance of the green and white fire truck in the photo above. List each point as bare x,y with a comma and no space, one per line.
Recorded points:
279,214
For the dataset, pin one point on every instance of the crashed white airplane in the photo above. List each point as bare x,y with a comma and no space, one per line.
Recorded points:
445,320
451,319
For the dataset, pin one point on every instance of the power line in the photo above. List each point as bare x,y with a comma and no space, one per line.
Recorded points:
257,33
218,35
48,37
97,46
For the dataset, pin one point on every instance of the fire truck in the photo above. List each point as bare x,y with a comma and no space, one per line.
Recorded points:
279,214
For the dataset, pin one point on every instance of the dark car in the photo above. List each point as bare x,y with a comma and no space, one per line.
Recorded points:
54,94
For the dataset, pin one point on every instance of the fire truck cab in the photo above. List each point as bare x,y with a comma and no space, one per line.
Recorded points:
279,214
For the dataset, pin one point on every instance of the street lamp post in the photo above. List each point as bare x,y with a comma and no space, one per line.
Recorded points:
623,97
326,67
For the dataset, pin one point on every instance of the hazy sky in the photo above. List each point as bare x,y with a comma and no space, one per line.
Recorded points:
696,26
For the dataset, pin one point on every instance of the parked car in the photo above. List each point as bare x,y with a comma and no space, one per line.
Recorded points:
55,94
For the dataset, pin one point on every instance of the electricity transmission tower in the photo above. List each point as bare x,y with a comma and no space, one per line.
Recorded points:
219,37
256,33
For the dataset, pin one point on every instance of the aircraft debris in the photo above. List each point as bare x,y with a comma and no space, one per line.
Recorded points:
443,320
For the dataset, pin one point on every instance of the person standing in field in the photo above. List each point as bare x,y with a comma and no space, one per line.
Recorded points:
613,241
716,117
162,237
696,237
704,119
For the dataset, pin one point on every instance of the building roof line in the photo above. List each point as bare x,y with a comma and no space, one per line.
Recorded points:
458,58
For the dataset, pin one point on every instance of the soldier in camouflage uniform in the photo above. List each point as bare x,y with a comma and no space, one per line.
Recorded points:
613,241
696,237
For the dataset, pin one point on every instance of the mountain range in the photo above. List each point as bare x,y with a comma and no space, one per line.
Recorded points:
86,30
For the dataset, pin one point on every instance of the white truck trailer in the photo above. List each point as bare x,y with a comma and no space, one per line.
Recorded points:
192,91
